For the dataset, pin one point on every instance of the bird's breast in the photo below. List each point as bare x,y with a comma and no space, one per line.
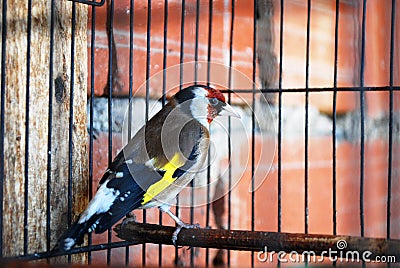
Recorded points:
177,175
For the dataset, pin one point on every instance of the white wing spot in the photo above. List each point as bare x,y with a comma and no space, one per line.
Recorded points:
119,175
150,163
129,162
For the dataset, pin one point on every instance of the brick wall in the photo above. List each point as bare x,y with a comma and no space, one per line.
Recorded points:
321,74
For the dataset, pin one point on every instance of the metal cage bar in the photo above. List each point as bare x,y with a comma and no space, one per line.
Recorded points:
2,111
50,123
390,138
231,33
163,101
91,113
181,58
208,191
280,77
334,117
148,61
362,114
27,100
110,87
195,75
91,3
130,111
253,123
306,112
71,118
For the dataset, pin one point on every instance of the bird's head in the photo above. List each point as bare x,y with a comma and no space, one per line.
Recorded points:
203,103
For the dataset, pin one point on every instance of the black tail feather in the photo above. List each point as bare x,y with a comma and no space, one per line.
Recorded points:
75,234
129,198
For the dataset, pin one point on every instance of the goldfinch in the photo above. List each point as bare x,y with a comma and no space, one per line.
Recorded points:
155,165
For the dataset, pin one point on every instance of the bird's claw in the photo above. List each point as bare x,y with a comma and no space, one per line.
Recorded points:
129,218
179,228
175,235
191,226
131,215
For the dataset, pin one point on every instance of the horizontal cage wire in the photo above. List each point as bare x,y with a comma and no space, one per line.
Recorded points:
309,173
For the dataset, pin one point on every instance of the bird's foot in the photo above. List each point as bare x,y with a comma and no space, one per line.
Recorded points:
130,217
179,228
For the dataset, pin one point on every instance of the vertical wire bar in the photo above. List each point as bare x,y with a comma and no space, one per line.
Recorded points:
181,57
182,47
131,17
110,92
163,101
148,36
193,183
91,114
253,125
362,103
306,118
209,40
27,93
71,118
390,152
49,130
131,25
209,43
334,105
165,53
196,43
280,121
3,95
229,120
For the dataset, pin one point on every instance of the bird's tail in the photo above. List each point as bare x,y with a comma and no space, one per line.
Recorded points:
74,235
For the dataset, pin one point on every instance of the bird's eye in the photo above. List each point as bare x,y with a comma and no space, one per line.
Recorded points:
213,101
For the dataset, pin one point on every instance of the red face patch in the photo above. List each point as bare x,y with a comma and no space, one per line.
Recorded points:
215,93
212,113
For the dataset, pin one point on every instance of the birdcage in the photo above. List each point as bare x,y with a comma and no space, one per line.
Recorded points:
309,174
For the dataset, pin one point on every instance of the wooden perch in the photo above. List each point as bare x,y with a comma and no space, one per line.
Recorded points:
256,241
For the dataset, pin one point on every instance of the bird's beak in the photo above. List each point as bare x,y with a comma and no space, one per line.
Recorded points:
227,110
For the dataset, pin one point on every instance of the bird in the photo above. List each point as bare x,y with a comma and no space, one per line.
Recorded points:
155,164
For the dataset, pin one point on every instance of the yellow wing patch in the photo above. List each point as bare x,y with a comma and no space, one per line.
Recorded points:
165,181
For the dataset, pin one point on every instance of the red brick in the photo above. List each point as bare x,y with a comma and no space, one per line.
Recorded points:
100,154
377,58
321,68
348,181
395,197
121,27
